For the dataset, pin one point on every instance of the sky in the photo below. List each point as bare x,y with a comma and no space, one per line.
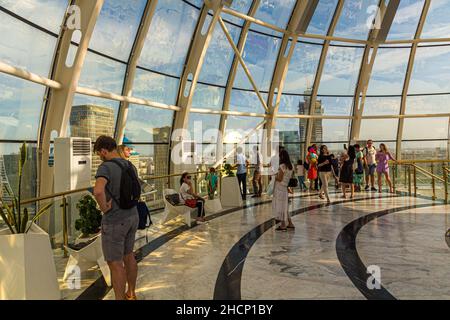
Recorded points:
166,47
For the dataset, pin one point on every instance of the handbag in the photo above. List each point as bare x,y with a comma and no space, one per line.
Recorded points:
145,220
191,203
293,182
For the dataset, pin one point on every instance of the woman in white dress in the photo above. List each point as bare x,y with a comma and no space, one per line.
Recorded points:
280,202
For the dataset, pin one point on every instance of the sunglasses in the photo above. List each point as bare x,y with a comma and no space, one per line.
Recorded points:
188,177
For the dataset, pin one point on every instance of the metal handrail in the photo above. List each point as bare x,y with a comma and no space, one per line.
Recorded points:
431,175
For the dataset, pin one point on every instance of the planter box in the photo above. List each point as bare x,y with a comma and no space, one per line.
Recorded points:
27,268
230,194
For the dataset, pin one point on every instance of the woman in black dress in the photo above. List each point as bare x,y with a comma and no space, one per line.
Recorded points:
346,176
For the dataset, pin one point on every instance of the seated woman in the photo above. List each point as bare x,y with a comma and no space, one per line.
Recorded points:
189,198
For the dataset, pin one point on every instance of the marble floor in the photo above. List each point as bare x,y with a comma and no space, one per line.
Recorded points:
239,255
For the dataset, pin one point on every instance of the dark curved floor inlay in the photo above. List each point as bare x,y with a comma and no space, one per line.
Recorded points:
350,260
99,289
228,283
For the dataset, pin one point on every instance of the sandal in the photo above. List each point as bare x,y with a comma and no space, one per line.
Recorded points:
281,229
293,227
127,297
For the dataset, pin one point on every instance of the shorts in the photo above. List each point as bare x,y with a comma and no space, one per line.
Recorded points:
370,169
118,238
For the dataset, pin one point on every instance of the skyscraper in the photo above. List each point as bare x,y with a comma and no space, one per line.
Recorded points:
317,126
92,121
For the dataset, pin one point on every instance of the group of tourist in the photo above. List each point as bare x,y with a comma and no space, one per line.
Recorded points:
348,169
120,218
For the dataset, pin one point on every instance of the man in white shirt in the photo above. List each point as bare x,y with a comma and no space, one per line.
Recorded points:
241,163
257,174
370,164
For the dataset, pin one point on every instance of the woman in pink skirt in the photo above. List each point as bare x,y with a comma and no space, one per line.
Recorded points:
383,156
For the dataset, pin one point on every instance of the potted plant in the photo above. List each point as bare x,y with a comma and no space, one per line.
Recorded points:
228,170
30,272
90,217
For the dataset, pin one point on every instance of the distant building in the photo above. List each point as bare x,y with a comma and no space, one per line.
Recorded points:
92,121
317,125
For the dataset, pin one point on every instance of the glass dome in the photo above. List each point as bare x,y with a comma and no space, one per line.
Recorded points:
330,72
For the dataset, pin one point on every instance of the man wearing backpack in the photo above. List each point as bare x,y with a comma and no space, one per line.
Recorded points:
117,191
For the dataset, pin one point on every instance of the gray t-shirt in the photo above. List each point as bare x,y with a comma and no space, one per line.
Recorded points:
113,173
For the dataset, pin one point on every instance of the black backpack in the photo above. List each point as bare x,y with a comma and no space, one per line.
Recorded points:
130,188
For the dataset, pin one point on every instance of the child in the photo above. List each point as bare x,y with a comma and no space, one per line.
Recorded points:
358,174
211,177
301,175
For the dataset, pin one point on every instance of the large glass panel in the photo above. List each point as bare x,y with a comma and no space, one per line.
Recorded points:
430,128
291,130
169,37
329,130
147,124
260,55
45,13
276,12
406,20
203,128
381,106
237,128
116,27
24,46
293,105
155,87
92,117
425,150
152,160
436,23
378,129
219,56
102,74
430,73
242,6
356,19
322,17
336,106
302,68
246,101
427,104
388,73
9,166
20,108
341,71
208,97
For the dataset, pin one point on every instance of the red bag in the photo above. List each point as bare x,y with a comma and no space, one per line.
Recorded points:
191,203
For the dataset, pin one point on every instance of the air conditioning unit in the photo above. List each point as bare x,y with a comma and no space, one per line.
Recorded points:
73,162
72,165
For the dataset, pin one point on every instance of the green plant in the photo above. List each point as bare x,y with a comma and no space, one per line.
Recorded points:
90,217
228,170
16,219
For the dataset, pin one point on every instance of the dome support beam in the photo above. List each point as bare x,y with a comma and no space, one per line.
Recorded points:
130,73
376,36
323,56
194,62
232,76
409,70
299,22
57,110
